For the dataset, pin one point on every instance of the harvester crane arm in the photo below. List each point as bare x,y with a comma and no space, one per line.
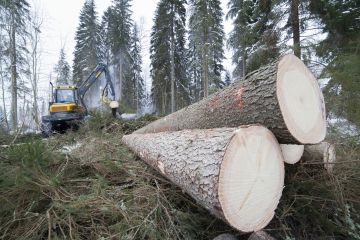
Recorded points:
93,77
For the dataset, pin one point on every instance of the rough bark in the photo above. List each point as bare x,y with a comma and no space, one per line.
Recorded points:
258,99
14,88
237,174
323,153
225,236
260,235
295,26
3,100
292,153
172,66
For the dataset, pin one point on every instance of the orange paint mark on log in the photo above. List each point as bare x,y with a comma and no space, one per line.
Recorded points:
214,103
238,98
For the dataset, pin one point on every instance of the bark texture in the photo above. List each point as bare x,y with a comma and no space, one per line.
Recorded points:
197,160
225,236
260,235
191,159
253,100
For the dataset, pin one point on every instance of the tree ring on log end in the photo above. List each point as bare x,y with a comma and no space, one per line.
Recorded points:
251,178
301,101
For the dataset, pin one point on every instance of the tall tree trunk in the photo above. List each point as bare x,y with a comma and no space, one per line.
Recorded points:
3,99
35,80
235,173
244,63
172,66
283,96
295,26
121,78
206,53
206,70
14,117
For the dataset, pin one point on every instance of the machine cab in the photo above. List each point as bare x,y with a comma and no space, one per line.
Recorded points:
65,99
65,95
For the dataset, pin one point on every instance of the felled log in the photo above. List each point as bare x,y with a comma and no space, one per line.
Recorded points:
323,152
283,96
225,236
292,153
235,173
260,235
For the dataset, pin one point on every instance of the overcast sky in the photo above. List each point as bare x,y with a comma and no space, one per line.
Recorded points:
61,18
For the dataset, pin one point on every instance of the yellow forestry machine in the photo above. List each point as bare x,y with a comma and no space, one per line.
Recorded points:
67,105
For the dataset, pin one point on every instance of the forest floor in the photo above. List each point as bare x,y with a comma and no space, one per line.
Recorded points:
87,185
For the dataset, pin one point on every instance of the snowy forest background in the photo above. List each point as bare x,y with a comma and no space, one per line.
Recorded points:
187,52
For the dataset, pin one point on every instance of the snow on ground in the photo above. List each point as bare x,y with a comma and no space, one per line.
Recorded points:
69,148
342,126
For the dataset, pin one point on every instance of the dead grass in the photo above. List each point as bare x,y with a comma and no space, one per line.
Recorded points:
98,191
102,191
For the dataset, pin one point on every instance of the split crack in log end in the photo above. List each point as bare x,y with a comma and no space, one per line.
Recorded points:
249,194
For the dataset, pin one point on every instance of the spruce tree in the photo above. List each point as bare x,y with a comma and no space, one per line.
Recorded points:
118,23
136,71
15,17
134,84
206,41
170,87
254,36
86,54
341,55
104,40
62,70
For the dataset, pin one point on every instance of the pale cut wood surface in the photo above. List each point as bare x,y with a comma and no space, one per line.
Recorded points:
292,153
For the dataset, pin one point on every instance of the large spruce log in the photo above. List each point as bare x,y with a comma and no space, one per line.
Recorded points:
235,173
322,153
284,96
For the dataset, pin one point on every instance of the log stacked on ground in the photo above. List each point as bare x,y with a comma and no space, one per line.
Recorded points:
235,173
292,153
323,152
283,96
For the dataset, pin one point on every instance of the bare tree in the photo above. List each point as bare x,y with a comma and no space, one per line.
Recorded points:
3,63
35,63
16,19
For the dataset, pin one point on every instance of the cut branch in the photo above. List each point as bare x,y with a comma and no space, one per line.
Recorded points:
235,173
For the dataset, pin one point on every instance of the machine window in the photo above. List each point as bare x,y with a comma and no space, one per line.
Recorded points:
65,96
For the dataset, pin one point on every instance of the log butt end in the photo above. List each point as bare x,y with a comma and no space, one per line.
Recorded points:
251,178
301,101
292,153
